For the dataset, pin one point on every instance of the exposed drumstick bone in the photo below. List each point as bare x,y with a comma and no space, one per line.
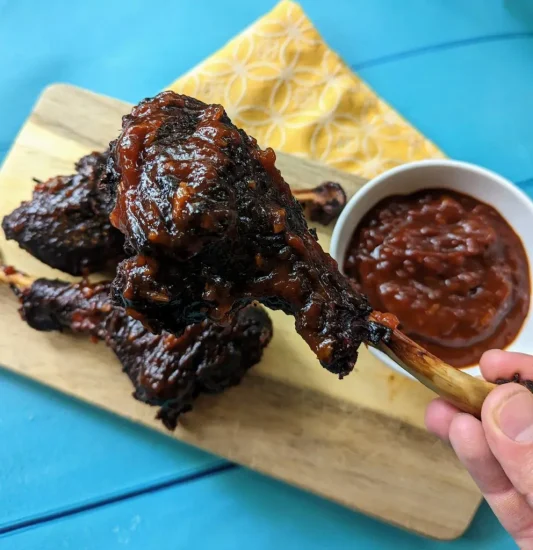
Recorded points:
323,203
462,390
10,276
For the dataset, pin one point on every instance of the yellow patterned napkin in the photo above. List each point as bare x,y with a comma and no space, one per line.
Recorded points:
279,81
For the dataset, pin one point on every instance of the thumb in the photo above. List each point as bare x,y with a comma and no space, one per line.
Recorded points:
507,418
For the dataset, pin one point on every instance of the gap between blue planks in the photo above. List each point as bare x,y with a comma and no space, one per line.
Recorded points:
442,46
77,509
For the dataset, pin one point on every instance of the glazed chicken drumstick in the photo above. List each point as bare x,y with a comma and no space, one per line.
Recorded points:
167,371
214,227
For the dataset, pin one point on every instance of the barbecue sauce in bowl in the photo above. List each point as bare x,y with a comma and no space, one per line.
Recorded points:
448,266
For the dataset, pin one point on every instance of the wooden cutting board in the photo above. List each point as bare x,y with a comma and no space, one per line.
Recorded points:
359,441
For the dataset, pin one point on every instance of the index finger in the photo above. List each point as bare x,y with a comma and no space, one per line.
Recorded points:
497,364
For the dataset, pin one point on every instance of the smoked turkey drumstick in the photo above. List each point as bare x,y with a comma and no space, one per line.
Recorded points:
323,203
166,371
66,223
214,226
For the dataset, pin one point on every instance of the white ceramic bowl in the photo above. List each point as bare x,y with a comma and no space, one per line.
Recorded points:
469,179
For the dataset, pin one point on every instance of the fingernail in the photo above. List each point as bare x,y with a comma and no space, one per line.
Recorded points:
515,417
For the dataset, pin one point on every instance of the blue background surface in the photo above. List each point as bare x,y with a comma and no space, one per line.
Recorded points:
75,477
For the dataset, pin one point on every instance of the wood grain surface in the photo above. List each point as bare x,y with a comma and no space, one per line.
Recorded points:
359,441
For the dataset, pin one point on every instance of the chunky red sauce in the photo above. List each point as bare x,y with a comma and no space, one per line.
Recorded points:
448,266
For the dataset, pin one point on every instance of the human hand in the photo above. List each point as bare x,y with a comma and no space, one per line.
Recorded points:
498,450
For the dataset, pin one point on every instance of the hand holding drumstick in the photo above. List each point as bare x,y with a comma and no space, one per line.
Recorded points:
498,449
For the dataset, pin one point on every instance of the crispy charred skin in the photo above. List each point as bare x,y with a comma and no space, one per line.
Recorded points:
171,372
215,226
66,223
51,305
323,203
166,371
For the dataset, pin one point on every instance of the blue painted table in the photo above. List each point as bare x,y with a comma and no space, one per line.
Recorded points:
75,477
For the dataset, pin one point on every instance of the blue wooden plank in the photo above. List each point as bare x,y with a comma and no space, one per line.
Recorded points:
57,453
237,509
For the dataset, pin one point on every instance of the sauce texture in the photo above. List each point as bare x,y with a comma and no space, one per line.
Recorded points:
448,266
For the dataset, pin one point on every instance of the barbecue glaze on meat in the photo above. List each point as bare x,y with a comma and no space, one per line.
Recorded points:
166,371
214,226
66,223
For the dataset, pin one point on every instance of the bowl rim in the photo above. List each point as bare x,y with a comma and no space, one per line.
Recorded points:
342,222
459,164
